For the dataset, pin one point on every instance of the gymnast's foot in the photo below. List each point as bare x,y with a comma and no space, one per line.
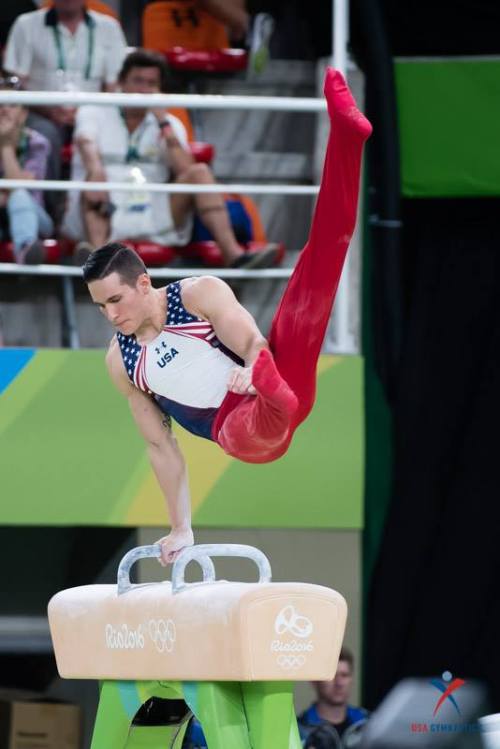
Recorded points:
270,385
341,105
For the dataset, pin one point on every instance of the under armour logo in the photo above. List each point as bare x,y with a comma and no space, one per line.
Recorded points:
288,620
158,351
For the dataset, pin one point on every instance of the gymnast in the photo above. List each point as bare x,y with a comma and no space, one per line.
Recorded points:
191,352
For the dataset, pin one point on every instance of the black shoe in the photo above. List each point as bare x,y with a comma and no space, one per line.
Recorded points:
83,251
33,254
252,260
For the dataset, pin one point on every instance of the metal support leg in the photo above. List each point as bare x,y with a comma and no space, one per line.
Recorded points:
249,715
118,704
220,710
270,715
70,328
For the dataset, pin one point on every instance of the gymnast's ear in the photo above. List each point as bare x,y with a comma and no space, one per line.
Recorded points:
143,284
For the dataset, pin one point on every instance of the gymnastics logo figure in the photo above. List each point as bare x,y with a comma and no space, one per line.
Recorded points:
447,686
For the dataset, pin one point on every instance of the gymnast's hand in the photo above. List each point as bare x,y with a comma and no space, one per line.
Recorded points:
240,381
173,544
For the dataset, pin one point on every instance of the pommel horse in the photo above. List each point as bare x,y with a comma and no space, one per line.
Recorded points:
230,650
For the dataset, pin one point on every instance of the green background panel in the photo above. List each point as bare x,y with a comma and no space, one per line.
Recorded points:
67,444
449,114
71,455
318,483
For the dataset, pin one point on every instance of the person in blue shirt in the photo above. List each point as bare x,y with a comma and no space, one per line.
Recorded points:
331,707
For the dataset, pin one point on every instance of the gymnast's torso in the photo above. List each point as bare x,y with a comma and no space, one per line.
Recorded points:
185,368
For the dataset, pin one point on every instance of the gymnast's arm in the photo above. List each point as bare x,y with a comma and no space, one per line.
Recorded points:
166,459
212,299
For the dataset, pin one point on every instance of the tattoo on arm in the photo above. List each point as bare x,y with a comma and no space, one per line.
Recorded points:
167,422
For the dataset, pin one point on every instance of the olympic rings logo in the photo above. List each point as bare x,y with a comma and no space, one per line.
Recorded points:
290,662
163,634
289,621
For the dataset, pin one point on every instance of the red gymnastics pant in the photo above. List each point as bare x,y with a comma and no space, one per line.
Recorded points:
258,428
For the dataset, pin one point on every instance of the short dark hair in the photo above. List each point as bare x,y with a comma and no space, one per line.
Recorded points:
347,656
146,58
323,736
114,258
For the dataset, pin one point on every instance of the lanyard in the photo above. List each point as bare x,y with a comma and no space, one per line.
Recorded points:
23,147
134,140
61,61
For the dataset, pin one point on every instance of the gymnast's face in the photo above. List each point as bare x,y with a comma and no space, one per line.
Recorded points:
126,307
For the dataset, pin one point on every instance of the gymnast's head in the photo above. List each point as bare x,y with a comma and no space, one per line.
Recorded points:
119,285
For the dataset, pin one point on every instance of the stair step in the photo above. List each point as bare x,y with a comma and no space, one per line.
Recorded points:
263,166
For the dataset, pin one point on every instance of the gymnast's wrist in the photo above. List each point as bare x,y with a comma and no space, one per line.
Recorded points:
181,527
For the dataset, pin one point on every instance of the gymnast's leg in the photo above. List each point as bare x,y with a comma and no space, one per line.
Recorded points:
259,428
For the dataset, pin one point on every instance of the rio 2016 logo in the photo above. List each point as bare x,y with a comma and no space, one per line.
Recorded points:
289,621
292,651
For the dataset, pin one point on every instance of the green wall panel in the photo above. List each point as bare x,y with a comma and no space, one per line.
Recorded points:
449,114
70,455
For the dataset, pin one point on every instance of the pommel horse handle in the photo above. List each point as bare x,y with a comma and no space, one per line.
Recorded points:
205,551
153,551
200,554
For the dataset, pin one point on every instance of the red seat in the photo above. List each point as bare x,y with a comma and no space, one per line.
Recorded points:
56,250
154,255
203,153
207,253
207,61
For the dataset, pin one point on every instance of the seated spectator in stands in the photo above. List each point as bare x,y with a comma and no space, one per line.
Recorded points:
331,709
138,145
249,31
23,155
64,48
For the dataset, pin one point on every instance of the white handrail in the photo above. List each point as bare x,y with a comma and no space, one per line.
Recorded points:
340,33
166,272
345,339
167,187
188,101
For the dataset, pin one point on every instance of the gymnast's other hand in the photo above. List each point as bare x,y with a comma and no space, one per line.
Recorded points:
240,381
172,545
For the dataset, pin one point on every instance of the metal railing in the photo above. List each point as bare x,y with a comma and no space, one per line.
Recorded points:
344,338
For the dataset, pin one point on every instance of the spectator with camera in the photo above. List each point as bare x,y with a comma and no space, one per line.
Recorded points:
24,154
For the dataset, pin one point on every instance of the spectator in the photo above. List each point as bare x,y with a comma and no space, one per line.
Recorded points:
331,710
253,32
64,48
23,155
140,145
194,737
